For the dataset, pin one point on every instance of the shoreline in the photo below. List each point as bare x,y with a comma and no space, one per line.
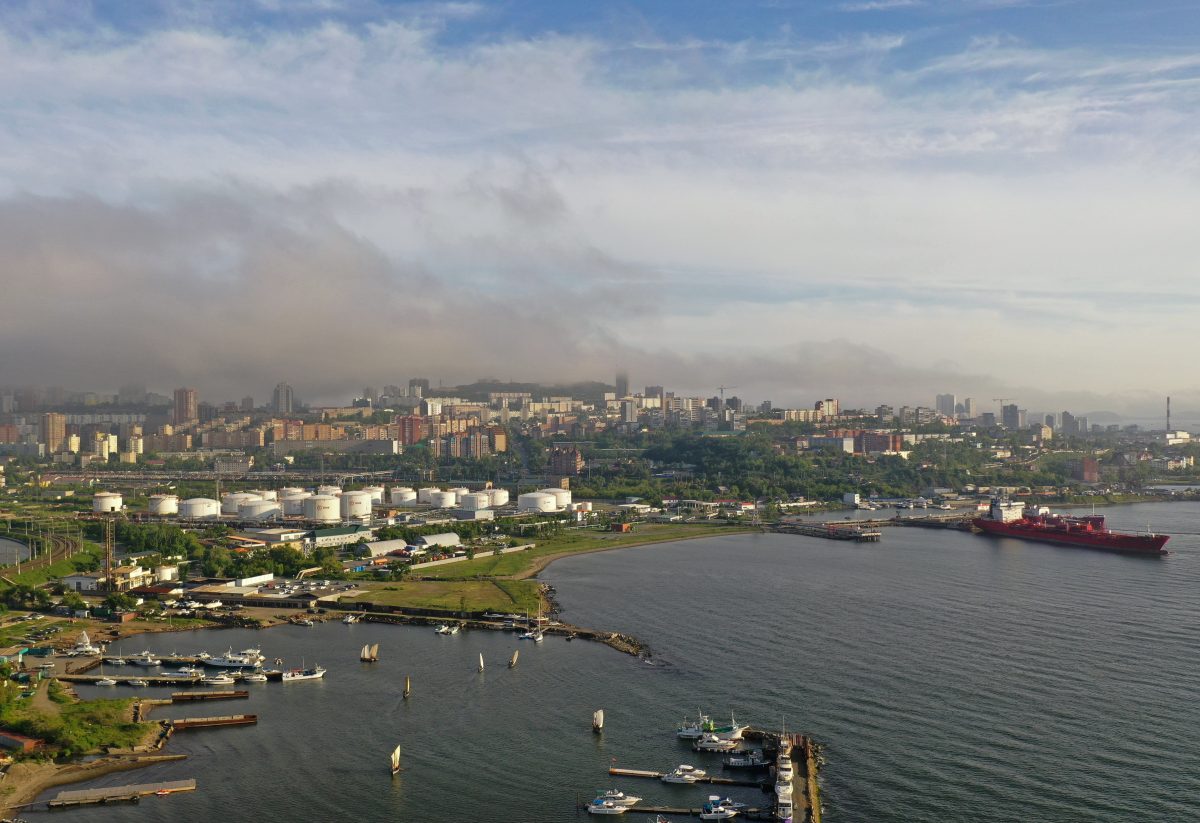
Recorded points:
28,780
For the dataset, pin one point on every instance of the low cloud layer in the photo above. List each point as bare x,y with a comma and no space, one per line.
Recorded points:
351,200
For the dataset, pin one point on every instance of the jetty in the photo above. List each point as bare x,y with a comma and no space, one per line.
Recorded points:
210,722
237,694
844,530
716,781
119,794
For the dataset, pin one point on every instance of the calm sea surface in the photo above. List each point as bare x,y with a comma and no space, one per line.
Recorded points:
951,677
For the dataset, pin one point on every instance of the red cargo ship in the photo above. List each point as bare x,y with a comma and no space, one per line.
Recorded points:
1089,532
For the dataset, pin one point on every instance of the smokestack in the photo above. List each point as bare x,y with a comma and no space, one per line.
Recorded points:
1168,412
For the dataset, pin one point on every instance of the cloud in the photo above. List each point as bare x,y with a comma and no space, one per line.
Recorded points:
879,5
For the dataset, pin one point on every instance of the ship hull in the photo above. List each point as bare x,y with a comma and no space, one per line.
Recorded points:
1148,545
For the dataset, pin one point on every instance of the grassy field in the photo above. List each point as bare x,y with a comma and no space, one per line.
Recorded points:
76,728
452,596
13,633
582,540
59,568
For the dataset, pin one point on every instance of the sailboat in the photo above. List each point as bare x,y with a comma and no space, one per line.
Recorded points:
597,720
369,653
512,664
407,686
395,760
481,661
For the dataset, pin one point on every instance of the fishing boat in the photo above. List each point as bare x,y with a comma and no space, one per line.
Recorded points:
395,761
512,664
369,653
619,797
598,720
313,673
407,687
351,619
683,774
481,661
704,725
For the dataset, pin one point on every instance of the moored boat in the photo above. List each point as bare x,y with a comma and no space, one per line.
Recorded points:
714,743
136,682
1008,519
619,797
602,806
145,659
752,759
312,673
217,680
683,774
255,677
106,681
234,660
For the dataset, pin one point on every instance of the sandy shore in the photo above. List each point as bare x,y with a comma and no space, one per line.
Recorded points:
25,781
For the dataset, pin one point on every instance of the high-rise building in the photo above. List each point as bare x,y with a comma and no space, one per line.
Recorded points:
368,394
281,399
970,410
418,386
1050,420
53,431
945,403
629,412
247,404
1010,416
1069,427
622,385
186,406
826,409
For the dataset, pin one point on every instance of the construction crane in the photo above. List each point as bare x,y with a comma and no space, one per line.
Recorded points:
722,390
1001,401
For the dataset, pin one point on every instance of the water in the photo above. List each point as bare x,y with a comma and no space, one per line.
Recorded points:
952,677
11,551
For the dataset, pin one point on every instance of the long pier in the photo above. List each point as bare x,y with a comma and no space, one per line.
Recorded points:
833,531
210,722
119,794
180,697
716,781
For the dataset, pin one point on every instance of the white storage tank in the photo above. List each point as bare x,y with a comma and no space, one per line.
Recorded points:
460,490
376,493
324,508
293,504
443,500
499,497
536,502
424,495
106,502
260,510
356,504
199,508
562,497
474,502
291,491
230,502
403,496
164,504
335,491
266,494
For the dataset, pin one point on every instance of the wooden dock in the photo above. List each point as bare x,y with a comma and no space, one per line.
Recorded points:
123,679
180,697
119,794
716,781
844,530
210,722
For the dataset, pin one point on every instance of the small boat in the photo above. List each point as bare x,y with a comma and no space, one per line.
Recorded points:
714,743
407,687
603,806
314,673
161,793
217,680
727,803
303,621
711,811
146,659
598,720
481,661
369,653
684,774
512,664
106,681
753,759
619,797
115,661
137,682
255,677
203,656
442,629
190,670
351,619
395,760
453,629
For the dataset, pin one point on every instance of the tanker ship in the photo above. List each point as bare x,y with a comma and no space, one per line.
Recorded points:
1089,532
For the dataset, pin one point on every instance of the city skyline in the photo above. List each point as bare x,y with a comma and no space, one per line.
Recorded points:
869,200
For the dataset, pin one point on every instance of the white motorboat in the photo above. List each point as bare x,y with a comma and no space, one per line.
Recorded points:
619,797
714,743
234,660
350,619
783,802
255,653
190,670
727,802
442,629
453,629
145,659
83,647
203,656
217,680
255,677
314,673
711,812
136,682
783,768
602,806
115,661
106,681
684,774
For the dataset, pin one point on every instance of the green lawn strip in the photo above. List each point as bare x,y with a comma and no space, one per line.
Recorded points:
453,595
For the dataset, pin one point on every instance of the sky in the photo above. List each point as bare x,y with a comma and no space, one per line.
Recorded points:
877,200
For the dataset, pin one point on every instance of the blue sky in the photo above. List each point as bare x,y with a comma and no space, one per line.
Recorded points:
875,198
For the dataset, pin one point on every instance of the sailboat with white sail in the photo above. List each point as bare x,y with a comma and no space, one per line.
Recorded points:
512,664
598,720
481,661
407,686
369,653
395,760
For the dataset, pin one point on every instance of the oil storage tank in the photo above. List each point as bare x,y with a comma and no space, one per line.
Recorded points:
499,497
356,504
260,510
403,496
163,504
474,501
443,500
562,497
323,508
107,502
199,508
536,502
230,502
293,504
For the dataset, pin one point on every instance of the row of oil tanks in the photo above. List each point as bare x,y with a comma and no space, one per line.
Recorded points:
546,500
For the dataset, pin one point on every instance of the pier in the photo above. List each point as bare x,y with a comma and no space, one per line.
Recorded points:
716,781
119,794
210,722
844,530
181,697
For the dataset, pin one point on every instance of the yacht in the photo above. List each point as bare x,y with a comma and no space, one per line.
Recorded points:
714,743
234,660
783,802
217,680
314,673
711,811
783,768
145,659
136,682
684,774
106,681
115,661
602,806
190,670
728,802
619,797
83,647
255,653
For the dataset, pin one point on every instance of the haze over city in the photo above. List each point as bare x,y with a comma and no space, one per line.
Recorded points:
876,201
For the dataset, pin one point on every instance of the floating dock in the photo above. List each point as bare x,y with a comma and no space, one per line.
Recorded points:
209,722
181,697
119,794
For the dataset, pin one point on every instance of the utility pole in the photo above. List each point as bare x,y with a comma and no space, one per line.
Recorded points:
109,552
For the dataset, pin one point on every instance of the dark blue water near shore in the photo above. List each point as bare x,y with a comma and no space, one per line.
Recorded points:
951,677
